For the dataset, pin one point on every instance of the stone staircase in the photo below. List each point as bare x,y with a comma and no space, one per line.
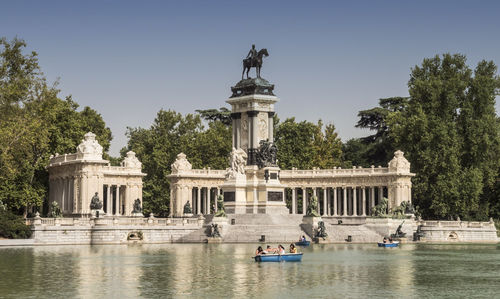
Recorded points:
249,228
359,233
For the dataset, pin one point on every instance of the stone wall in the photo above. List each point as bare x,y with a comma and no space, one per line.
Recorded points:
116,231
459,231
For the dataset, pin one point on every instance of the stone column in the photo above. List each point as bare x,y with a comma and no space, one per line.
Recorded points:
216,197
372,199
304,199
117,200
236,117
363,210
207,200
198,201
270,126
325,212
109,205
294,208
344,208
354,201
335,212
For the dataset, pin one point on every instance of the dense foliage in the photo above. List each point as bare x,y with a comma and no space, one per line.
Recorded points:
34,124
13,226
171,134
451,135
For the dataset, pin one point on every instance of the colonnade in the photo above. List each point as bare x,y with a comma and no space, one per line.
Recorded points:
204,200
65,186
336,201
114,200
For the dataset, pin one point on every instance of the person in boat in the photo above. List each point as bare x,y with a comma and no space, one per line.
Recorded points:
260,251
302,239
281,249
293,249
270,250
390,239
385,240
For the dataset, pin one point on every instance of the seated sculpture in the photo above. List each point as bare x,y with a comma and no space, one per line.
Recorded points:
137,206
95,203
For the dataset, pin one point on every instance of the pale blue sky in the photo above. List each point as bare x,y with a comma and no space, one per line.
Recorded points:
328,60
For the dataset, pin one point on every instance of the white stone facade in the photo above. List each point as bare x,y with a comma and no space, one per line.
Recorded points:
75,178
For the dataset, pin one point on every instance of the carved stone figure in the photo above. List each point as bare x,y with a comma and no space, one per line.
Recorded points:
131,161
95,203
181,164
254,59
187,208
312,207
90,148
380,210
137,206
399,163
238,160
220,207
214,231
55,211
266,155
321,230
399,232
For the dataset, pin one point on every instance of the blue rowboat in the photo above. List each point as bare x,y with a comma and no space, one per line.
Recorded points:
287,257
393,244
303,243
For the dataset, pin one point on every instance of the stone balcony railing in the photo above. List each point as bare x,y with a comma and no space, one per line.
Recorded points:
456,224
316,172
118,221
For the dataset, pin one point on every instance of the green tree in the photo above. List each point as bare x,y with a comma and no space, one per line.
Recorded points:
171,134
378,148
450,134
34,124
305,145
223,115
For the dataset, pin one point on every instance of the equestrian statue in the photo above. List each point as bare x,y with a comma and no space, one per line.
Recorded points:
253,59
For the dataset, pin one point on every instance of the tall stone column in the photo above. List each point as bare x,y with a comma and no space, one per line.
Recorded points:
335,212
198,201
354,201
270,126
304,199
117,200
294,207
363,210
236,117
109,205
344,208
324,202
253,138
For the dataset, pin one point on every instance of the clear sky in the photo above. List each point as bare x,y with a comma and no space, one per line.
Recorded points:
328,60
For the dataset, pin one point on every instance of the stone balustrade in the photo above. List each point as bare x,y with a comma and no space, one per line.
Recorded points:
113,221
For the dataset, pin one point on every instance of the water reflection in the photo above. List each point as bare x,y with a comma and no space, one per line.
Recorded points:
227,270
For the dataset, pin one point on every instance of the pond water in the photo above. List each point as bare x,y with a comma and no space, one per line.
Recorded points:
227,270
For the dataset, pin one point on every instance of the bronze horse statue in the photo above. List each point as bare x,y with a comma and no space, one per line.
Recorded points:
249,63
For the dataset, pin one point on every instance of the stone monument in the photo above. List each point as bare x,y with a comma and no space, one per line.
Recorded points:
252,182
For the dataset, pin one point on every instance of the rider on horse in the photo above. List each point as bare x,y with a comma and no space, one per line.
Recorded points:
252,54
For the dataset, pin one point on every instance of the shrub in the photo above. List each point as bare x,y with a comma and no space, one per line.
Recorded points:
13,226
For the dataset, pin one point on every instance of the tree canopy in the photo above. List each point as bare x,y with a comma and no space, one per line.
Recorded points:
35,123
450,133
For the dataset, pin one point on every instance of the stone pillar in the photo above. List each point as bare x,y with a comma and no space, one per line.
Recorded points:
354,201
294,210
109,205
270,126
363,196
117,200
372,199
335,212
198,201
344,208
236,117
304,199
325,212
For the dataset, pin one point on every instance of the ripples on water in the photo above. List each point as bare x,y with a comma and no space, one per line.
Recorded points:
227,270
